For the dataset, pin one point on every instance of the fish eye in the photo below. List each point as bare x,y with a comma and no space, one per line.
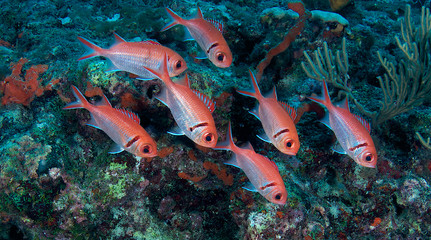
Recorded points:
146,149
289,143
220,57
278,196
208,137
369,157
178,64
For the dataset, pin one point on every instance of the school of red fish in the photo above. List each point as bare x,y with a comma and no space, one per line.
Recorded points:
192,110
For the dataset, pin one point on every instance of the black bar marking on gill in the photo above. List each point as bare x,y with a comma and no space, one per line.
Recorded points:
267,186
132,141
279,133
212,46
358,146
198,125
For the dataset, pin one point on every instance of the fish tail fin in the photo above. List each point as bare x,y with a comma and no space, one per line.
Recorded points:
325,99
175,19
162,72
80,102
228,144
92,49
255,92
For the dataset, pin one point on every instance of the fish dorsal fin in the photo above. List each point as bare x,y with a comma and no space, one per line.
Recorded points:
272,94
249,187
118,39
217,24
206,100
289,109
273,163
103,102
129,114
199,13
248,146
184,81
344,104
151,41
364,122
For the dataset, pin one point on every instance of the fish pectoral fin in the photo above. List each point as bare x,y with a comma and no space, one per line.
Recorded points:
201,55
338,148
249,187
232,162
262,136
176,131
145,79
115,148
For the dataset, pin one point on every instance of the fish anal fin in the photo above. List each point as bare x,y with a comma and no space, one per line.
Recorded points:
255,112
206,100
232,161
325,120
162,96
92,122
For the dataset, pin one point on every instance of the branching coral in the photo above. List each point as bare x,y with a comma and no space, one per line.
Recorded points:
409,84
405,84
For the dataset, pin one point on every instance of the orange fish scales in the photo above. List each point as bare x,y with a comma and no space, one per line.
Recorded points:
122,126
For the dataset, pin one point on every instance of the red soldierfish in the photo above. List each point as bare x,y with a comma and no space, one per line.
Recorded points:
352,131
208,34
277,120
190,108
263,173
121,126
131,56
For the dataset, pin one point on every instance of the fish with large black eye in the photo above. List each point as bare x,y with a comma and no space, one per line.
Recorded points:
191,109
208,34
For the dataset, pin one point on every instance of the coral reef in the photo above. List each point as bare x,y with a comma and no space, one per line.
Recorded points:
58,181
